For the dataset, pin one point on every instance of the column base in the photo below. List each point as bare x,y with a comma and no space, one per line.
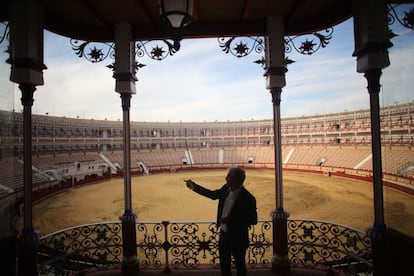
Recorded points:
27,255
280,259
130,262
130,266
167,269
380,239
281,265
279,215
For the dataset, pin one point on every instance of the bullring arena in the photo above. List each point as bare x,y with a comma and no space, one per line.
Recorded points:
327,171
164,196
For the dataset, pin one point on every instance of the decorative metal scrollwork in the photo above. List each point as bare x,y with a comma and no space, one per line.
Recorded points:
189,244
407,20
313,244
156,51
94,54
241,46
136,67
151,244
5,34
262,61
85,248
97,52
311,44
260,245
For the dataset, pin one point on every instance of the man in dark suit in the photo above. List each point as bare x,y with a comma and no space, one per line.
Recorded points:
236,212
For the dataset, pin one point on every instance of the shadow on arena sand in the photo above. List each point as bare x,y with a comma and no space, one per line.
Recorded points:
165,197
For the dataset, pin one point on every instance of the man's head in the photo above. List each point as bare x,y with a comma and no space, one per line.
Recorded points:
235,177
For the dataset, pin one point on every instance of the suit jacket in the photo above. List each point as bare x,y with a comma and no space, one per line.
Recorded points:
242,215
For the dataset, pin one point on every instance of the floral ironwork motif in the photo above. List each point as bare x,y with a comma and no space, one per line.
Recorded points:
156,51
190,243
136,67
311,43
150,244
85,248
262,61
241,46
407,20
311,244
335,247
260,245
5,34
94,54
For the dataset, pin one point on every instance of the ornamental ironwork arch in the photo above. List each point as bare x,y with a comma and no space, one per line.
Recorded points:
5,35
407,20
306,44
97,52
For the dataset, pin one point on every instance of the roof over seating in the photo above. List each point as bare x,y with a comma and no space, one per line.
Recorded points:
94,20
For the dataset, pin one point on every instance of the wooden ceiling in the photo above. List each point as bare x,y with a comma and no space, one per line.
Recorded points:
93,20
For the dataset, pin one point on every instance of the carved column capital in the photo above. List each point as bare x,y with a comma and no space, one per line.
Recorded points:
371,34
124,69
276,93
373,79
275,53
27,90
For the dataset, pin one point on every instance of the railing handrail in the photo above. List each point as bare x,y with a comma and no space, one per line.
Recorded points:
196,221
99,245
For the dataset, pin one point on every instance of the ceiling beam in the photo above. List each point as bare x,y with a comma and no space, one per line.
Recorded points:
289,15
93,9
196,14
246,10
145,13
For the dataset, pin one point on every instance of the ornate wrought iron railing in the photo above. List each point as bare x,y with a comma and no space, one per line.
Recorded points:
194,245
328,246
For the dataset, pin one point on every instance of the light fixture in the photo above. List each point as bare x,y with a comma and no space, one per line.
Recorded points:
176,14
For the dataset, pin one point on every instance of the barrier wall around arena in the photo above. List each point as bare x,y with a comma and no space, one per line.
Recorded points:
335,144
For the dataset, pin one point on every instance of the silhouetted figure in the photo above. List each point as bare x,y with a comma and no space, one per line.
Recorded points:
236,212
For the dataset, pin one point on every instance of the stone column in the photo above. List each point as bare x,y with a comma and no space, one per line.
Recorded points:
275,81
124,74
371,50
26,59
29,238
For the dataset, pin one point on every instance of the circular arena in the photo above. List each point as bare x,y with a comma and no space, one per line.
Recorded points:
164,197
102,197
327,172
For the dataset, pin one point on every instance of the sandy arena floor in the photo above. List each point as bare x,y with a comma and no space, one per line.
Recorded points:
165,197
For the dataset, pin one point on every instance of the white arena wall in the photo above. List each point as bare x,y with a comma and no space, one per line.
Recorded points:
68,152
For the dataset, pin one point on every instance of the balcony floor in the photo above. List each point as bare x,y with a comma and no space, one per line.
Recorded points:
261,272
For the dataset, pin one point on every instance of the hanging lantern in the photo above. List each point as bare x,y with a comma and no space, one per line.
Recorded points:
176,14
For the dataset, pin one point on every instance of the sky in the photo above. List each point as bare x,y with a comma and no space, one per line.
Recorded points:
202,83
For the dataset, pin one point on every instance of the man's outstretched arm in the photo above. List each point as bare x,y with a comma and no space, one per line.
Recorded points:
212,194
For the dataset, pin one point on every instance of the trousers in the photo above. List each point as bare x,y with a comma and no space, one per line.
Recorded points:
227,249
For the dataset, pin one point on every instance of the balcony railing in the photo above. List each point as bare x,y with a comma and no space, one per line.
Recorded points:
167,245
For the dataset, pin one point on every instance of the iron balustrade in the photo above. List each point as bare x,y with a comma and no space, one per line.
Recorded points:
168,245
328,246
